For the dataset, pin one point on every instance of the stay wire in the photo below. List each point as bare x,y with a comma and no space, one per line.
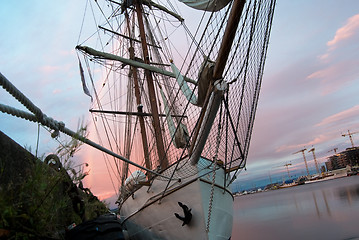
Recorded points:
82,23
38,139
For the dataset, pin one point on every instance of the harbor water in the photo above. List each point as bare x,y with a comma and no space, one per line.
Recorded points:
321,210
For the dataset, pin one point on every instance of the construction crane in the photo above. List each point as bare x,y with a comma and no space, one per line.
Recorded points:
315,159
335,150
280,166
350,136
305,160
286,165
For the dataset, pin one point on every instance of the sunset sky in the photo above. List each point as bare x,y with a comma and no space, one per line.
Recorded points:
309,96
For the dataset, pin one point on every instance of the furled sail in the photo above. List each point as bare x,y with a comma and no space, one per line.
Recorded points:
180,135
84,87
183,85
206,5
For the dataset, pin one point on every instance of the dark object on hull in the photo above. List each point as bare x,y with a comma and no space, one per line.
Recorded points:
187,214
104,227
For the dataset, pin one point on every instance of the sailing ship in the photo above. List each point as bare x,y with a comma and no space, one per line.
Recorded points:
178,104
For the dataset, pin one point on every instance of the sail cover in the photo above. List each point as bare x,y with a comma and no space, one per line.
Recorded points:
206,5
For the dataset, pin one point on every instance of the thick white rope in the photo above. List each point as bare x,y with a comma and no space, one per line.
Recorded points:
38,116
10,88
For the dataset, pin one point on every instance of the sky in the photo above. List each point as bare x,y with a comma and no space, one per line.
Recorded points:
309,95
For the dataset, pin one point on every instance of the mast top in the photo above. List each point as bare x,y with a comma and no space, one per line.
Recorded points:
131,3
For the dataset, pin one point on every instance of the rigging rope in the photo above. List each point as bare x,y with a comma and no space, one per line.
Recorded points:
51,123
82,23
106,159
206,44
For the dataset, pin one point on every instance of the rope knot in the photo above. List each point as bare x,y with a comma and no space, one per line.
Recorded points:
55,133
61,125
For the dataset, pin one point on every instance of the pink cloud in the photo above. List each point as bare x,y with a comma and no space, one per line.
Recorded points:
47,69
335,76
328,78
338,117
345,32
296,147
348,31
325,57
57,91
58,68
322,73
292,147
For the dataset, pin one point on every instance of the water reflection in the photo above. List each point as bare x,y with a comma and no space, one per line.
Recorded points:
326,203
349,194
316,204
327,210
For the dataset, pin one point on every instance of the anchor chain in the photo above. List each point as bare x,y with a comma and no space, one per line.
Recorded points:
214,174
211,196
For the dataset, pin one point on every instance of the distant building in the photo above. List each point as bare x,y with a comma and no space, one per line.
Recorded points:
340,160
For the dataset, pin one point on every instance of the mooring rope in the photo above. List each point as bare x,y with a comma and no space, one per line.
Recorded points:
39,116
10,88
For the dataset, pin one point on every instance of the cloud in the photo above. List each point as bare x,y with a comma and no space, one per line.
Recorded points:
340,117
339,60
330,125
345,32
317,140
325,57
324,73
336,75
52,69
337,68
57,91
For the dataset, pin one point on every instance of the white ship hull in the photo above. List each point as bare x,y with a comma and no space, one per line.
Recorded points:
148,215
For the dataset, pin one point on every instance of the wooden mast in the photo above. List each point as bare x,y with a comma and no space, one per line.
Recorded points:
225,48
163,161
228,37
138,100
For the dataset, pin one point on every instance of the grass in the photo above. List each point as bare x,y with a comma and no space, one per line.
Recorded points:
42,206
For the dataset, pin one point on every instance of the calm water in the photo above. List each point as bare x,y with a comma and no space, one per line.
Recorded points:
323,210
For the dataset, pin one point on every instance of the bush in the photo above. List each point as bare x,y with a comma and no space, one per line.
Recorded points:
41,204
